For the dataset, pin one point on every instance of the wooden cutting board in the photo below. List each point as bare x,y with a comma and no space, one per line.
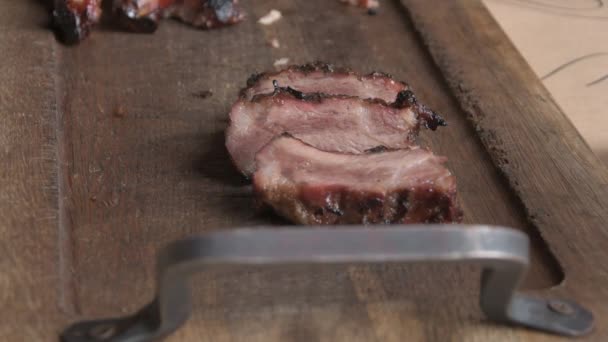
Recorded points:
109,152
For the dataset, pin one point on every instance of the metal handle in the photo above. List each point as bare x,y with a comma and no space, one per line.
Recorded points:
502,252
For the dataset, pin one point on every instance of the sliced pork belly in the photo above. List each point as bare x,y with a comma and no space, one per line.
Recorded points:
320,77
309,186
335,123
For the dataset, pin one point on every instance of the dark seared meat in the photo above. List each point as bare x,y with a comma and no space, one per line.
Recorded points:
325,78
74,19
335,123
309,186
206,14
369,4
141,15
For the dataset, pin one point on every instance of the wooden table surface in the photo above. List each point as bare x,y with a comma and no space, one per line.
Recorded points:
566,44
108,154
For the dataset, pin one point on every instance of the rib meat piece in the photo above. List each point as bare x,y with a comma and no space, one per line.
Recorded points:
144,15
206,14
325,78
75,18
319,77
336,123
309,186
141,15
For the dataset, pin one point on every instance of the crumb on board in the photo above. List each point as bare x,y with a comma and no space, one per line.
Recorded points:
274,43
120,111
270,18
203,94
281,62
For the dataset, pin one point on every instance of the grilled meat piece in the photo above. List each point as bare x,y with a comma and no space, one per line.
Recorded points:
325,78
335,123
74,19
141,15
309,186
369,4
206,14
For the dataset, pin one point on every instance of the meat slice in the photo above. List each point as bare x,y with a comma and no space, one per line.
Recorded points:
325,78
206,14
369,4
309,186
74,19
141,15
319,77
144,15
335,123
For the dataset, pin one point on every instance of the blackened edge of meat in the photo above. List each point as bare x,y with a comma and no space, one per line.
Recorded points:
319,66
308,68
405,98
289,92
251,81
428,117
378,149
72,24
67,25
144,24
420,205
316,97
341,205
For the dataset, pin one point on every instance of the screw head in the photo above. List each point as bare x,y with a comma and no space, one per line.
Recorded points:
560,307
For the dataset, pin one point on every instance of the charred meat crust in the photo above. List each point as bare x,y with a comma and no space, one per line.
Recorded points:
342,205
428,117
317,66
378,149
73,19
206,14
320,202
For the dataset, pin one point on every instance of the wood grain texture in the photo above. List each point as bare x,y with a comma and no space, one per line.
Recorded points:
138,160
561,184
30,275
